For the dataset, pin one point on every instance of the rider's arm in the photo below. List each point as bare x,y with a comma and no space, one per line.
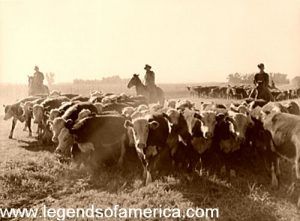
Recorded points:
267,79
255,79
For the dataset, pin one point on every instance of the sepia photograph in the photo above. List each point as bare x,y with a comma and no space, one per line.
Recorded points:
150,110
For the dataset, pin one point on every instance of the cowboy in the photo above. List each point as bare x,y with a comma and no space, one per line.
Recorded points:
149,76
150,82
261,81
261,78
38,77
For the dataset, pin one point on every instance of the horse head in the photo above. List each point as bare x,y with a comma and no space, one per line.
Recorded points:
134,81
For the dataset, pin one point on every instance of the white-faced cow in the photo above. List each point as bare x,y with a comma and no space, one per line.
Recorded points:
150,138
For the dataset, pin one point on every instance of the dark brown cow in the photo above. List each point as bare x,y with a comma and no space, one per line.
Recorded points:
99,138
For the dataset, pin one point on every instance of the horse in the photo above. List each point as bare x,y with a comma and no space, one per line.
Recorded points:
34,90
141,89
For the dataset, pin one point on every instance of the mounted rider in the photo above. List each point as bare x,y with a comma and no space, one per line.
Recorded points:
36,81
150,81
261,81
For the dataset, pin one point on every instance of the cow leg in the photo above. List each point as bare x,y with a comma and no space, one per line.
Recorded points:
122,145
28,124
278,171
13,125
146,173
274,176
297,166
25,126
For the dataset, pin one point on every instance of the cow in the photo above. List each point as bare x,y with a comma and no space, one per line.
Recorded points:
128,111
240,122
53,102
16,112
41,113
183,104
70,114
150,139
274,106
225,145
285,131
83,114
292,108
188,128
99,138
28,115
80,98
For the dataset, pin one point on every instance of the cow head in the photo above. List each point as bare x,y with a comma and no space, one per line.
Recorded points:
209,122
27,109
128,111
54,113
173,116
241,122
191,118
83,114
38,113
140,128
13,111
65,142
8,112
57,125
99,106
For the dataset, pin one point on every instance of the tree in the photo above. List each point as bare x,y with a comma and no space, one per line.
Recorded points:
296,81
238,78
50,78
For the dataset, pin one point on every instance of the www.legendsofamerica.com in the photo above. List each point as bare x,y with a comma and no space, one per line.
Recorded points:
115,211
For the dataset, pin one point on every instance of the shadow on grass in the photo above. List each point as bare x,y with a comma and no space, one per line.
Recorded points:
35,145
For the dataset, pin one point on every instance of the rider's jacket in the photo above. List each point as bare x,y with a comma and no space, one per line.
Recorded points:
261,79
149,78
38,78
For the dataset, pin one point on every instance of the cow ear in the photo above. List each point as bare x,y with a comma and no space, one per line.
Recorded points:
128,124
198,116
166,116
263,114
220,117
69,124
154,125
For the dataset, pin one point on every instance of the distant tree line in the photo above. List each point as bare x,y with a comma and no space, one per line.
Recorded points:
296,81
115,79
238,78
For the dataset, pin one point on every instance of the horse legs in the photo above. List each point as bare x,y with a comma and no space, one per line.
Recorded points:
13,125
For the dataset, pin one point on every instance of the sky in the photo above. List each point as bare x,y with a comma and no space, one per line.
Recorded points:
183,40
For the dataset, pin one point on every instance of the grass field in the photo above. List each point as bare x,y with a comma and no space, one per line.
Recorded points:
30,176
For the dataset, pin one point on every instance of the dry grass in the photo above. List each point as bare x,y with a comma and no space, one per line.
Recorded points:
30,176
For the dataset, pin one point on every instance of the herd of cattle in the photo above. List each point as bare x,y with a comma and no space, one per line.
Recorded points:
106,128
239,92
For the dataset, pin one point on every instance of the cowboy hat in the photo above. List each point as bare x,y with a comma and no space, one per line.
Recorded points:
147,66
261,65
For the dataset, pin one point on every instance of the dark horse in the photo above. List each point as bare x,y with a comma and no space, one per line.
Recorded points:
141,89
